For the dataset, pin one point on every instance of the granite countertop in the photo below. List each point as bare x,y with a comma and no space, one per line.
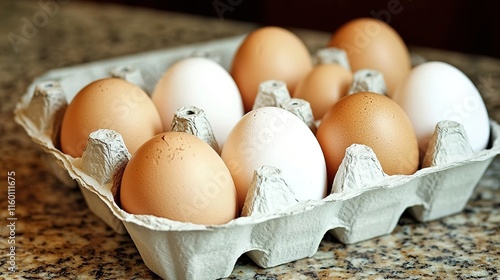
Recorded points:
56,235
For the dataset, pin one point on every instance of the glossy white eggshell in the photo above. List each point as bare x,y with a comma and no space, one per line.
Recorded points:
203,83
275,137
436,91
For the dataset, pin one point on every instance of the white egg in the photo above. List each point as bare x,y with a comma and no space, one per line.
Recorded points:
203,83
436,91
275,137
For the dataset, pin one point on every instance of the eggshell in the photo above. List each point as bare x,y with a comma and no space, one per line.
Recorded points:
203,83
323,86
275,137
109,103
373,44
436,91
176,175
269,53
373,120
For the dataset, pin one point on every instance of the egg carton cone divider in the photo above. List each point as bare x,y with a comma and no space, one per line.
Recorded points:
362,210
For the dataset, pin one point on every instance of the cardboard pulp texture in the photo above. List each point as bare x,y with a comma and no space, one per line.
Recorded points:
367,203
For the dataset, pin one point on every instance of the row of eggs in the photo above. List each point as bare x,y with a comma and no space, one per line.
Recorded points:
178,176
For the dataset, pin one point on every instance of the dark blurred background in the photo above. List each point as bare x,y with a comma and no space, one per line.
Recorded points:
464,26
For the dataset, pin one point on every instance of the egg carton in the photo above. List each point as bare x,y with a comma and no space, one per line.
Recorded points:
367,203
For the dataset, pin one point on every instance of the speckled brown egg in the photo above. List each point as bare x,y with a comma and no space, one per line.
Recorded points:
269,53
109,103
175,175
373,44
373,120
324,86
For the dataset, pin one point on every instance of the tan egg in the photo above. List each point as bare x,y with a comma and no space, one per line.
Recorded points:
323,87
177,176
373,120
113,104
373,44
269,53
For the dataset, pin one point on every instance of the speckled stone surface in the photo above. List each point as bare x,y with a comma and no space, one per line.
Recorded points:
56,236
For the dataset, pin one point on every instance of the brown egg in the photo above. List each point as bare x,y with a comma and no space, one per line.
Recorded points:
323,87
373,120
113,104
269,53
176,175
373,44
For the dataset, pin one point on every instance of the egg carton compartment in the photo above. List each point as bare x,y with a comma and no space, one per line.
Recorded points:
367,204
